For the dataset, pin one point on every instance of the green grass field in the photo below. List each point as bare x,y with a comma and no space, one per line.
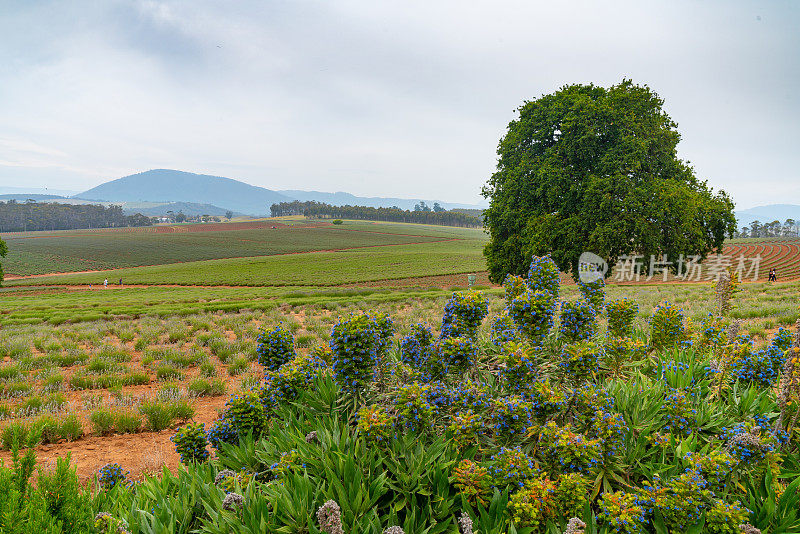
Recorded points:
49,252
309,269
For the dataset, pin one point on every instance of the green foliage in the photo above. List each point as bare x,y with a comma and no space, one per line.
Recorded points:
56,504
577,321
578,157
621,314
191,443
533,313
102,421
275,347
667,328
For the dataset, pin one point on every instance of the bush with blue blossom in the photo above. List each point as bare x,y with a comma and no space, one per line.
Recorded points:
580,361
577,321
514,286
510,416
667,328
621,313
355,342
520,367
565,451
511,467
191,442
544,276
457,353
275,347
222,432
463,314
594,293
679,413
414,411
245,413
112,475
285,384
533,313
622,513
503,329
416,346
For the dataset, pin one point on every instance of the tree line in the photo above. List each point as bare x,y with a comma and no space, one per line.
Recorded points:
320,210
789,228
32,216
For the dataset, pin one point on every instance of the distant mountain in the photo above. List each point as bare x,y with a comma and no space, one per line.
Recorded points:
7,190
24,197
344,199
164,185
767,214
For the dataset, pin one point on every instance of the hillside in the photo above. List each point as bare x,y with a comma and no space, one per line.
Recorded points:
769,213
165,185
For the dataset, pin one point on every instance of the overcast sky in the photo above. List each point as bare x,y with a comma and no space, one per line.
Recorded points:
382,98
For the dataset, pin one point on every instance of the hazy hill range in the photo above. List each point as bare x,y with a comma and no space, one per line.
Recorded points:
165,185
767,214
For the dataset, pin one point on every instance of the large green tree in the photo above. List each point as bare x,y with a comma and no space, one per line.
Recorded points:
595,169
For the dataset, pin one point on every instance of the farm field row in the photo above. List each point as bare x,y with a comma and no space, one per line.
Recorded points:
762,307
52,252
309,269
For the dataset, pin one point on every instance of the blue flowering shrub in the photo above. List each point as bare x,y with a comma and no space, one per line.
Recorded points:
544,276
679,413
514,286
245,414
577,321
355,342
463,314
581,360
504,330
567,451
415,347
112,475
667,328
293,377
414,411
621,313
533,313
191,443
457,353
521,366
275,347
594,293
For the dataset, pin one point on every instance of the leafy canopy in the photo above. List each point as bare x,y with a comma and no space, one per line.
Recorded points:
593,169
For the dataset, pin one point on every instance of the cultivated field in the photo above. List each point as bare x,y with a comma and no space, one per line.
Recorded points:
82,250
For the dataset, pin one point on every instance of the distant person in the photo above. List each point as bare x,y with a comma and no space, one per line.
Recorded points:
120,281
105,283
773,275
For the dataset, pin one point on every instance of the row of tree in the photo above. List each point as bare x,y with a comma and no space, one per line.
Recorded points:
320,210
789,228
31,216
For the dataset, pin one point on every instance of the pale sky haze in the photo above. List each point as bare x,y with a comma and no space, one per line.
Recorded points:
389,98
